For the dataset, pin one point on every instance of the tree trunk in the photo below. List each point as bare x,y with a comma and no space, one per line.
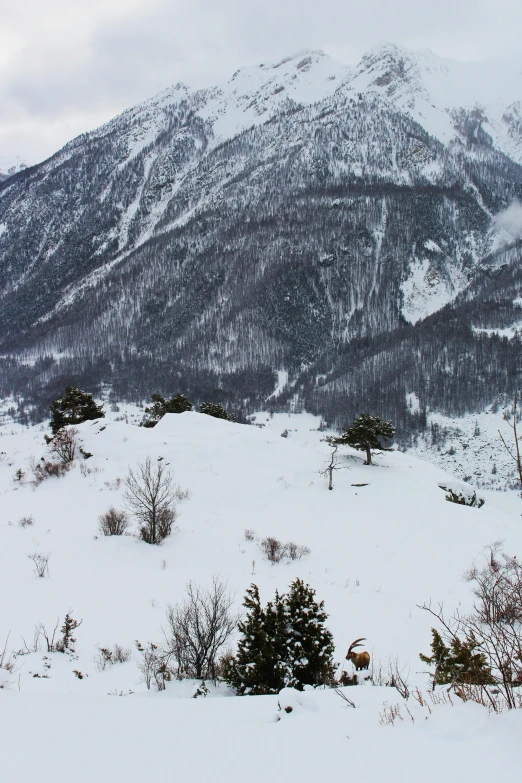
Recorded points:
368,456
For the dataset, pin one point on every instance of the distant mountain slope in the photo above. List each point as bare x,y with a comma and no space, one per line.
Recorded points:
205,239
10,166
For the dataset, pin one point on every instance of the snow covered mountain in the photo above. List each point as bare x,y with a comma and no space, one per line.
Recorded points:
8,167
304,217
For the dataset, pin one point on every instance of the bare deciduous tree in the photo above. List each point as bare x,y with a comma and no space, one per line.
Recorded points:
199,627
65,444
331,466
151,494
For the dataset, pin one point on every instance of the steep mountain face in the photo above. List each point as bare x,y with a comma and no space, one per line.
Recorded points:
305,217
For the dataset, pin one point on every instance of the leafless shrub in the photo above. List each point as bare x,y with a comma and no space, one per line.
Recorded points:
151,494
114,485
108,657
117,692
113,522
181,494
296,552
65,444
419,697
491,698
45,469
198,628
7,664
390,714
41,563
85,470
153,666
35,646
275,550
250,535
48,636
397,679
25,522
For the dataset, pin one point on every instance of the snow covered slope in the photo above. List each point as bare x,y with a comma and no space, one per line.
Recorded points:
382,542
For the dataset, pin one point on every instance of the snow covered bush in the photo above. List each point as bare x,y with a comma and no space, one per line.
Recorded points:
216,410
179,403
463,497
283,644
260,663
113,522
309,643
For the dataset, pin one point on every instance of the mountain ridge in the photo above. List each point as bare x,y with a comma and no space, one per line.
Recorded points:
258,226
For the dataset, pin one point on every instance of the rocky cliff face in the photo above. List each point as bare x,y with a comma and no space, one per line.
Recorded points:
206,239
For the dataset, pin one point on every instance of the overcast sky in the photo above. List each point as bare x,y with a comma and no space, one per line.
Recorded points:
67,66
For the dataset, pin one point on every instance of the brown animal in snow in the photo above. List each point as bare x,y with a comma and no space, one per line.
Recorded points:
359,660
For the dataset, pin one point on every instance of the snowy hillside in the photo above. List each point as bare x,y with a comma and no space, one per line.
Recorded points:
382,542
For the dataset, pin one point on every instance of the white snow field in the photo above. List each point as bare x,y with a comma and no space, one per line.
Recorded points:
377,551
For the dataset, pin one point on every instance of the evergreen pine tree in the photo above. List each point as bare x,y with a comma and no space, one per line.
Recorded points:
215,409
365,434
74,407
259,666
309,643
461,662
179,403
